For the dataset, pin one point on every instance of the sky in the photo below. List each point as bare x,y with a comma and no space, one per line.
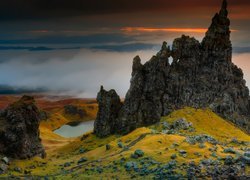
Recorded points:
72,47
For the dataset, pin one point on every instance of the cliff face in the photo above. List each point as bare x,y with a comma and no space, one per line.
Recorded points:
19,130
201,75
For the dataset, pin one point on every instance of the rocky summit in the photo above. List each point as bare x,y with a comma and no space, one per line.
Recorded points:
201,75
19,130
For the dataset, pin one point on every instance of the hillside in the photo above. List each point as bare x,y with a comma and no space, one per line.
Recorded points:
173,147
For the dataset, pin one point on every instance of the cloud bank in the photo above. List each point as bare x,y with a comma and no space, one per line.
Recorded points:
80,73
77,72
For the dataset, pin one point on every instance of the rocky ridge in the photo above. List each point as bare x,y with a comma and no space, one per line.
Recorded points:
201,75
19,130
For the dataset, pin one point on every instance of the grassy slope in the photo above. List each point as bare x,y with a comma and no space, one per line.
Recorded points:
207,122
158,146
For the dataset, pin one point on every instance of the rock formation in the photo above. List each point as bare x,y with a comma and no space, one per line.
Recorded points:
74,110
109,107
19,130
201,75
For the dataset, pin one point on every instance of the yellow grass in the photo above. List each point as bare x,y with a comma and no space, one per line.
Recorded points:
158,146
207,122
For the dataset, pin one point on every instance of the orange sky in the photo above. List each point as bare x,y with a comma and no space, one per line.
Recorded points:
148,29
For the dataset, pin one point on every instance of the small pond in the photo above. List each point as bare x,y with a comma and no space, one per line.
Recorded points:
75,129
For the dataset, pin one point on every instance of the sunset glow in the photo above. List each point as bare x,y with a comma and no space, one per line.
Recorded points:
148,29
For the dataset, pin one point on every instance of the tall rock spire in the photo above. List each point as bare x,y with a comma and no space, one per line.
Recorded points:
223,11
218,35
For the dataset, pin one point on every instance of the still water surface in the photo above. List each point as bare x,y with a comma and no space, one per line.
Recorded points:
75,129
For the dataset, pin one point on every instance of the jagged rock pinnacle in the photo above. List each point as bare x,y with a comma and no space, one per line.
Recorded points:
218,35
164,45
202,75
109,107
101,88
165,51
223,11
136,65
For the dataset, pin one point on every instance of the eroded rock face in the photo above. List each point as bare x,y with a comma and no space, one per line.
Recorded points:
201,75
109,107
19,130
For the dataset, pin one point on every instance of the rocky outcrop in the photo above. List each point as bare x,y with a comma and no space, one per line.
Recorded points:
44,115
109,107
201,75
19,130
74,110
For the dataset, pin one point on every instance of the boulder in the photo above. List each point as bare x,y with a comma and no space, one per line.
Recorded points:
229,160
82,160
5,160
3,168
82,150
67,164
229,150
244,159
130,166
120,144
181,124
18,169
247,154
173,156
182,152
19,131
108,147
139,153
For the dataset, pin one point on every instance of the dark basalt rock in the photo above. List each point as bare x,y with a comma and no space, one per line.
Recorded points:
43,115
109,107
201,75
19,130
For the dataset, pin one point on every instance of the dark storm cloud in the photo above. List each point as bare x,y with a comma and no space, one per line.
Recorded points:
126,47
85,39
40,48
31,9
116,48
36,48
